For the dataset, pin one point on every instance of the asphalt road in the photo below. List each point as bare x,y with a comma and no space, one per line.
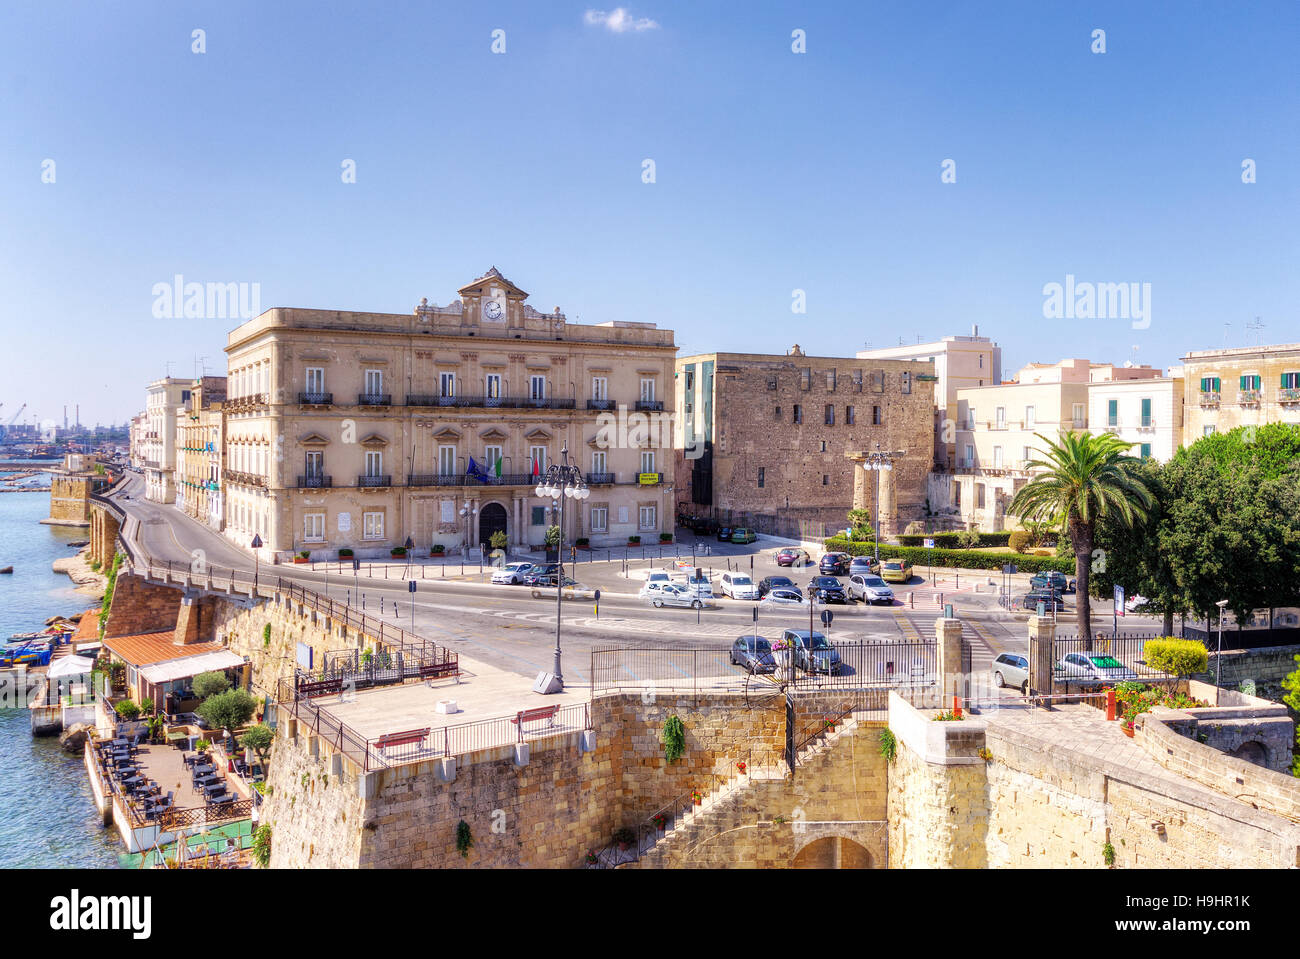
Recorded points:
507,627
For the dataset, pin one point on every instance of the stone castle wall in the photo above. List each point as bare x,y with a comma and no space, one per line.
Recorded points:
70,499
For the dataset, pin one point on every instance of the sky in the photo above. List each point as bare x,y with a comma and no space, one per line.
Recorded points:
127,157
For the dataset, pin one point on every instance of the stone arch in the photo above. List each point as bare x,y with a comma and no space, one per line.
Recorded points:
832,852
492,517
839,845
1251,751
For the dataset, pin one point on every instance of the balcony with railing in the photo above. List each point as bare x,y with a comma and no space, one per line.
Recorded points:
372,481
242,404
315,481
1288,395
374,399
490,402
650,406
600,479
316,399
1209,398
1248,397
467,479
240,478
601,404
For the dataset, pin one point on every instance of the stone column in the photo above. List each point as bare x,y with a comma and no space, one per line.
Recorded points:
888,502
952,679
1042,655
864,489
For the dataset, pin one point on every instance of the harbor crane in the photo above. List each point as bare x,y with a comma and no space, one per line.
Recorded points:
4,430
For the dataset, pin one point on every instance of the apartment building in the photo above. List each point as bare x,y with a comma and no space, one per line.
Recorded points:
776,441
959,362
360,430
158,441
200,447
1243,386
1147,413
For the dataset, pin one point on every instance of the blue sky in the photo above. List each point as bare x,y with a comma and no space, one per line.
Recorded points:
775,171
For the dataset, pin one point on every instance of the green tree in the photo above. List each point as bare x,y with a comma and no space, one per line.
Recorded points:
228,710
1084,476
258,738
498,540
210,684
860,524
1178,657
552,537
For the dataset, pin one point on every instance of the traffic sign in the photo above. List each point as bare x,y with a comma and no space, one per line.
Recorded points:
929,542
410,587
827,616
356,564
1119,600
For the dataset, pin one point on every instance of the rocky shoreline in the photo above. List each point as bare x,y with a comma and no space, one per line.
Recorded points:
77,568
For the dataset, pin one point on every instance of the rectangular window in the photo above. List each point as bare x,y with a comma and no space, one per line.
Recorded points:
372,525
537,457
1024,454
1208,430
848,415
826,480
315,379
1112,412
1146,450
446,460
374,381
1146,409
777,413
771,382
647,518
798,413
447,385
315,463
970,455
539,516
690,381
598,462
1000,418
647,461
905,382
374,463
491,456
493,386
1029,417
1290,381
970,417
313,527
1250,382
600,388
830,414
1080,416
1210,384
805,378
878,381
979,495
876,418
537,386
599,519
830,381
857,381
997,457
762,475
647,389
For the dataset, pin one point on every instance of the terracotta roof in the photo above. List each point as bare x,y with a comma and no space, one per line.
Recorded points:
145,648
87,627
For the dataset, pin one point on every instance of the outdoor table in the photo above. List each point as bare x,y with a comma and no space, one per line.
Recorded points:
222,799
214,789
204,768
133,780
205,781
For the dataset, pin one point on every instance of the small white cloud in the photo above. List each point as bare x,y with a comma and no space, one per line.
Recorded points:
618,20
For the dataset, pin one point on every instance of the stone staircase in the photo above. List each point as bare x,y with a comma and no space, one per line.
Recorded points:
724,808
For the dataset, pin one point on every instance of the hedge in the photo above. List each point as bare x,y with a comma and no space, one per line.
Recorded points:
949,540
959,558
1178,657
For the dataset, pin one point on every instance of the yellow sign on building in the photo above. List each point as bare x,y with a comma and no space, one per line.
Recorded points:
647,479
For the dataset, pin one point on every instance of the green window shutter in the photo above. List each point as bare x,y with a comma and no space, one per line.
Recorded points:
1146,410
1243,385
1146,450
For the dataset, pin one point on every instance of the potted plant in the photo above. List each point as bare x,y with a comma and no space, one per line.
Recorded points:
624,836
582,542
697,797
661,821
302,556
552,544
634,541
592,859
437,549
665,537
742,767
781,652
398,551
345,553
1127,726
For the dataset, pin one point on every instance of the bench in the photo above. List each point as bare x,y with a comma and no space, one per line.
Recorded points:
438,670
531,715
402,739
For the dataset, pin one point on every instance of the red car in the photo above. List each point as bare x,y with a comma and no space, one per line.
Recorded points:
792,556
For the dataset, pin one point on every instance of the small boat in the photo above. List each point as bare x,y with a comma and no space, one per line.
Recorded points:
30,653
6,569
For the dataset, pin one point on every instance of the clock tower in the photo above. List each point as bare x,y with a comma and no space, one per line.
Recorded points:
492,299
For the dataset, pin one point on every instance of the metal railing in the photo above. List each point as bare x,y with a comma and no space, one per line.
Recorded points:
600,479
491,402
1208,398
466,479
374,399
315,482
369,482
315,399
1128,649
601,404
650,406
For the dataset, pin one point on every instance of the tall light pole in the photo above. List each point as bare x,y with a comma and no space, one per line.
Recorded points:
1218,659
877,462
562,481
466,512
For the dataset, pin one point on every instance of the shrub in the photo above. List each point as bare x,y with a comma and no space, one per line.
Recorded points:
258,739
634,540
552,537
1108,854
464,839
919,556
201,745
209,684
498,540
398,551
968,539
1178,657
888,745
266,635
673,738
437,550
344,553
949,540
582,541
228,710
262,845
304,554
665,537
1018,540
146,707
127,709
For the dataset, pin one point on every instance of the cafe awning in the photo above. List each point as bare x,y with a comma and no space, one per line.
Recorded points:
187,666
71,666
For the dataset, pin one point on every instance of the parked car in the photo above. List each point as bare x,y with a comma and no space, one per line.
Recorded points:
539,571
863,564
827,589
738,586
870,589
724,534
1134,603
769,583
1052,601
679,596
511,574
1011,669
785,596
658,577
1099,666
896,571
754,653
812,653
834,564
1053,579
792,556
572,588
744,535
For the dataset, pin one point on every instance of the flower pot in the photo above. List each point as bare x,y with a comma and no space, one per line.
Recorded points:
1128,731
300,559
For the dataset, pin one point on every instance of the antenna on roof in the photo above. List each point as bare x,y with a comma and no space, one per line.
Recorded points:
1255,326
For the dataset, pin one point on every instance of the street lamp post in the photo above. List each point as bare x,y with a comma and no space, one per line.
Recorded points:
1218,659
562,481
466,512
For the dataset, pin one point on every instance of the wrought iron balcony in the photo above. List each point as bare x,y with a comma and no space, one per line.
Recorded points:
1248,397
1209,398
315,481
650,406
1288,395
316,399
374,481
374,399
600,479
601,404
465,479
489,402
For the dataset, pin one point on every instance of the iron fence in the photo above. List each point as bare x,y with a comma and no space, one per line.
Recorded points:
1127,648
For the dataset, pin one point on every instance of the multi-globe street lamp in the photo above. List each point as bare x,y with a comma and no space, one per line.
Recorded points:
561,481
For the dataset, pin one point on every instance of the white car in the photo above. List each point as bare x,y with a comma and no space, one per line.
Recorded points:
680,596
738,586
512,574
870,588
784,597
1134,603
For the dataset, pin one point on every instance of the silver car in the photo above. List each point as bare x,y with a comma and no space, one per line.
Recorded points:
1010,669
782,596
1098,666
870,588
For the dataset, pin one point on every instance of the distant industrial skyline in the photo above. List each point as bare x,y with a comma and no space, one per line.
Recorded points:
836,177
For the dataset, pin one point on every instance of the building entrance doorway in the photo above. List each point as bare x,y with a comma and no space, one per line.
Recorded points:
492,519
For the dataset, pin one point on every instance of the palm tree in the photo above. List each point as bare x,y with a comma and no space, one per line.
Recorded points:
1085,476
